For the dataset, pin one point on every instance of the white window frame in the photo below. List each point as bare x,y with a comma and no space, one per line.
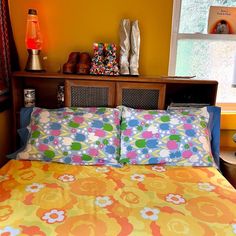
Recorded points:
175,36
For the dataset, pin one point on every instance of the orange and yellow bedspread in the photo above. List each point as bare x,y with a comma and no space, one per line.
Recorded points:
56,199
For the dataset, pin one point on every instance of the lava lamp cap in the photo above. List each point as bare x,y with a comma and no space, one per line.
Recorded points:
32,12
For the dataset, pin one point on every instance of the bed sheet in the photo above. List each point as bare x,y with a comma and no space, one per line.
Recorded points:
39,198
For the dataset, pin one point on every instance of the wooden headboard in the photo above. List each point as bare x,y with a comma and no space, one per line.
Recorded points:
84,90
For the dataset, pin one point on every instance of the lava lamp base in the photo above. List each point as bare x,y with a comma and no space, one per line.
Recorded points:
34,61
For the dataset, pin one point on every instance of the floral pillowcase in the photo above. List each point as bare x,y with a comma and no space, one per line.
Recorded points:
169,137
82,136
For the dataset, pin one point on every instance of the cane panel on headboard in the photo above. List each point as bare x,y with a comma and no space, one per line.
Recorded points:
107,94
88,94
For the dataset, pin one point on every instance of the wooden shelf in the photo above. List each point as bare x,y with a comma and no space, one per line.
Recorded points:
137,79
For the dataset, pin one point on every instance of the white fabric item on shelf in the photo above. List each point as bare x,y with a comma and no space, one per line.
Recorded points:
135,48
124,46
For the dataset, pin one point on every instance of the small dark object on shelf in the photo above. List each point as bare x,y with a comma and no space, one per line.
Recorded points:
61,95
83,67
70,66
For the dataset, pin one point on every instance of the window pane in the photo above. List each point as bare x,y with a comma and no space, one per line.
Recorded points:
194,14
209,59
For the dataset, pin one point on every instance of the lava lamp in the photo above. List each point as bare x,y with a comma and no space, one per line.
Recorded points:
33,40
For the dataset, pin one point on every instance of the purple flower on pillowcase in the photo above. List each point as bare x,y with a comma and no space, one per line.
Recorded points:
55,126
190,132
133,123
164,126
80,137
100,162
110,149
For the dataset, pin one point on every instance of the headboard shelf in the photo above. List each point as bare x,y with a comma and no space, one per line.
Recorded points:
136,79
145,92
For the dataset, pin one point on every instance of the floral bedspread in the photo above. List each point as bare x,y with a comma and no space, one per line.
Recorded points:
39,198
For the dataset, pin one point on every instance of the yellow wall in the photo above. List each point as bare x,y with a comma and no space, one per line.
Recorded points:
5,134
228,129
74,25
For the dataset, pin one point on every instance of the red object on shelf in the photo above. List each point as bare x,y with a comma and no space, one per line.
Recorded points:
33,38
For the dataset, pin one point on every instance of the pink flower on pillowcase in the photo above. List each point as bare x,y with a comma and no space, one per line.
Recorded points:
92,109
73,131
188,126
147,156
79,119
147,134
34,127
128,132
90,130
148,117
116,121
117,113
101,146
37,111
77,159
55,142
116,142
172,145
187,154
132,154
55,132
93,152
100,133
157,135
43,147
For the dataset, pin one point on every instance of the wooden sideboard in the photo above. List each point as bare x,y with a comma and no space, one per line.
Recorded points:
85,90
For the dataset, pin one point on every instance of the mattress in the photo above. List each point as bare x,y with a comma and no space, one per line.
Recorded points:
38,198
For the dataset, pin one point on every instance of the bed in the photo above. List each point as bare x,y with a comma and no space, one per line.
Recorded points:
116,171
56,199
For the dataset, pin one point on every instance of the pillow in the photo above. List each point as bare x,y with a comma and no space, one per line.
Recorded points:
165,137
23,132
213,126
81,136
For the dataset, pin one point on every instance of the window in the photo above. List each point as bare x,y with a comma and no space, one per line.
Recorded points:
207,56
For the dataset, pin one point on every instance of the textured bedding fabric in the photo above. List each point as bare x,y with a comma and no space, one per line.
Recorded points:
39,198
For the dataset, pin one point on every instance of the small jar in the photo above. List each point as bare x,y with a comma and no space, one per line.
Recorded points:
29,97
